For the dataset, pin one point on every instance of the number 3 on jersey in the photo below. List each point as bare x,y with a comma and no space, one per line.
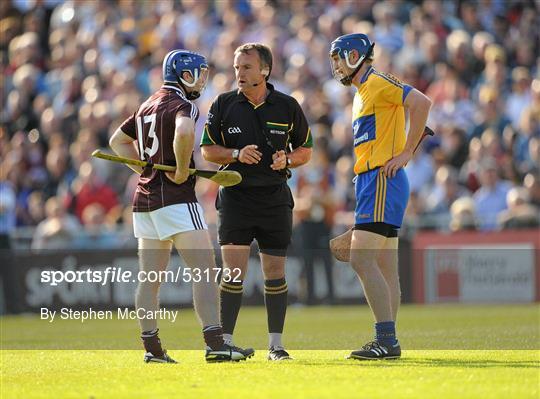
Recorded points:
151,119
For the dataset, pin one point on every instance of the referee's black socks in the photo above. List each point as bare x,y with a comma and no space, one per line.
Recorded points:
275,299
231,300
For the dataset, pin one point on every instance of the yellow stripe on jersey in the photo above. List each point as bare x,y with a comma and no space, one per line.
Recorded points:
278,124
292,125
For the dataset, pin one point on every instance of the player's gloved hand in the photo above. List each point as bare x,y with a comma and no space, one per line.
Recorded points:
250,155
178,177
399,161
280,160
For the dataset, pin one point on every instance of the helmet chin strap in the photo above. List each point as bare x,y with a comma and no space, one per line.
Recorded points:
193,95
347,80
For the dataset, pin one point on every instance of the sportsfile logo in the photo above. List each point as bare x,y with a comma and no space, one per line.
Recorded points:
234,130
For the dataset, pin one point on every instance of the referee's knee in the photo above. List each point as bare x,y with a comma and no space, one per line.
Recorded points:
273,267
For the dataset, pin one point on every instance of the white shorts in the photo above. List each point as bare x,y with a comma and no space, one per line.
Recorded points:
164,223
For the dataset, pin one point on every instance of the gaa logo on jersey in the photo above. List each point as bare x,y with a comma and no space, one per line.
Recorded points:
234,130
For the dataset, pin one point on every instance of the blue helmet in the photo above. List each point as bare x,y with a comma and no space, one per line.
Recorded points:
177,62
344,45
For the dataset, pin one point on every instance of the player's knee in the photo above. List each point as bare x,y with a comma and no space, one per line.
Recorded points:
363,256
363,260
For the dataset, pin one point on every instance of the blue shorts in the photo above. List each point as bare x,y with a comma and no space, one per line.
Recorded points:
381,199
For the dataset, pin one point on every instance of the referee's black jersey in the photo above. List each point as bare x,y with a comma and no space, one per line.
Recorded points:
277,123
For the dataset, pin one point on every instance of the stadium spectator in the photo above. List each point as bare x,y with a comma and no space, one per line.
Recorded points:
490,199
531,182
8,203
387,32
70,69
314,213
88,189
458,44
420,168
520,97
414,214
463,215
60,174
36,207
57,230
520,213
343,196
445,191
490,113
96,232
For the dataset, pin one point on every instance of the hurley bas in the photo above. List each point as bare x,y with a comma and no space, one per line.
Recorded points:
121,314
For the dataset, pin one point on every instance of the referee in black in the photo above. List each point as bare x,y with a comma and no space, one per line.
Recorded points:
261,133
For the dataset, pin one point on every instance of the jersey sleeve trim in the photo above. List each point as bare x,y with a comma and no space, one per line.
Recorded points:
389,79
406,90
127,133
206,138
309,140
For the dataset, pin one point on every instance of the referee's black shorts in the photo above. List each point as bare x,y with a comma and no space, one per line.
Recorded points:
260,213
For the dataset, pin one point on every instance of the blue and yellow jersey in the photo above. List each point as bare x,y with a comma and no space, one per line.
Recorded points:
378,120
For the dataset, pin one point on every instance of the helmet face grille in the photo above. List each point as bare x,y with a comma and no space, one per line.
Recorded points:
355,41
177,61
345,45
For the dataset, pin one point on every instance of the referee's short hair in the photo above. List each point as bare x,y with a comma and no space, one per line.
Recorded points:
265,54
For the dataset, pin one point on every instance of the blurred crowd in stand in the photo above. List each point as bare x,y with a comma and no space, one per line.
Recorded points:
73,71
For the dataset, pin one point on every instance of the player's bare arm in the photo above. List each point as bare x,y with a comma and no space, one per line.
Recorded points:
222,155
418,105
297,157
184,138
125,146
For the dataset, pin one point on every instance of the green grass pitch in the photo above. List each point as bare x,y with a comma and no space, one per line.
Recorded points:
450,351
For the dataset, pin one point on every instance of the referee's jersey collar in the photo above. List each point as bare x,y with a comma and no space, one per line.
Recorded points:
269,98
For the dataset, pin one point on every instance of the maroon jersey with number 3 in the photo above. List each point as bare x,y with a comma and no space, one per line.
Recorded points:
152,126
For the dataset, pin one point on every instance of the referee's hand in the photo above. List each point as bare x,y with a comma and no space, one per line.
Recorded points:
250,155
280,160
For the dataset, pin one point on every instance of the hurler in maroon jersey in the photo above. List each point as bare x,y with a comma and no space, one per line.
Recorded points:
165,208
